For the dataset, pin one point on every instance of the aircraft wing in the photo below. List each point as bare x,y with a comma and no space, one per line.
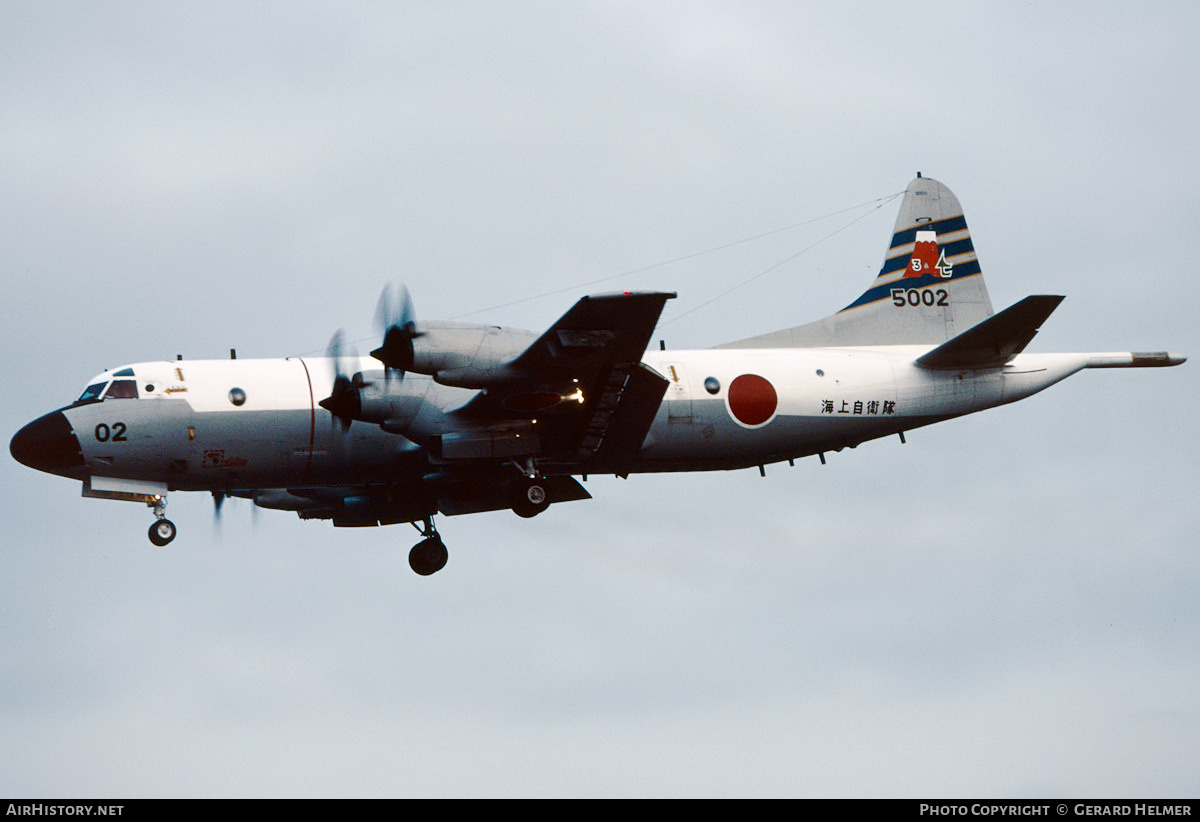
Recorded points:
581,387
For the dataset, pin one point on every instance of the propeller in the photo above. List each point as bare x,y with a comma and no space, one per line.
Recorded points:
398,325
397,321
343,400
219,501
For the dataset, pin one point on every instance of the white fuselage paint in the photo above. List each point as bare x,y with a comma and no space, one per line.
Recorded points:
185,430
828,398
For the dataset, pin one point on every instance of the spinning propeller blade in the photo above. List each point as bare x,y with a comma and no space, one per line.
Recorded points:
398,325
343,401
397,322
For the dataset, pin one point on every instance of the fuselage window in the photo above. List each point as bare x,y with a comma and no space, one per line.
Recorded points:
122,390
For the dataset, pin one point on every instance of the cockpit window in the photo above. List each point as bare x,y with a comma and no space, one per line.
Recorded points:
92,392
122,390
122,385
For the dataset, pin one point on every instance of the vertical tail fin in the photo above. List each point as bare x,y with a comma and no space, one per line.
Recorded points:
929,289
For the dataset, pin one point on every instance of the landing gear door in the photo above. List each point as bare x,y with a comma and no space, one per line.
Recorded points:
679,396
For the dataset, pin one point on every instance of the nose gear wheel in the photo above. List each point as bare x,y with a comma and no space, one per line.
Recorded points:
162,531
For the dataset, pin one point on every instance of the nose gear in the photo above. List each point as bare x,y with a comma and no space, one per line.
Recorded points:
162,531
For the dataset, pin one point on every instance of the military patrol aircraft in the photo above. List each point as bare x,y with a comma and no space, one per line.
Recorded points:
456,418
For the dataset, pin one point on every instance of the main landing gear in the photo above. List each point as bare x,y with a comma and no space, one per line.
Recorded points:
429,555
163,530
530,496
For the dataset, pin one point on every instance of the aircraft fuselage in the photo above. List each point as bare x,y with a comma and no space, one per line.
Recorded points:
253,424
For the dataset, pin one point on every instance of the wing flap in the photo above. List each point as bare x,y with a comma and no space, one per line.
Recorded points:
616,428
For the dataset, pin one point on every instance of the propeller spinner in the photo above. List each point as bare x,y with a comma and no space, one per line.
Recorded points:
343,402
397,321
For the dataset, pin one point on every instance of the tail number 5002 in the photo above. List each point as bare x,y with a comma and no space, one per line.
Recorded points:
915,297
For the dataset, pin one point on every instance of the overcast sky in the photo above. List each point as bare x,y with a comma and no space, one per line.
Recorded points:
1004,606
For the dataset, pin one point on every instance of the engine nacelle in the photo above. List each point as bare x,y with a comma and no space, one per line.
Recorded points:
380,400
467,354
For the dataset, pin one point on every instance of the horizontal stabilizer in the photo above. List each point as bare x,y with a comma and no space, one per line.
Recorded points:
997,339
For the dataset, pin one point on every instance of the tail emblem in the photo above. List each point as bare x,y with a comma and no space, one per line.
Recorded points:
928,258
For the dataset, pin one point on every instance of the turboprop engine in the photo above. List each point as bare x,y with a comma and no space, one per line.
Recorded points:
465,355
462,355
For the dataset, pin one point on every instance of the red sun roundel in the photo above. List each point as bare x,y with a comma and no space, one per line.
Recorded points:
752,400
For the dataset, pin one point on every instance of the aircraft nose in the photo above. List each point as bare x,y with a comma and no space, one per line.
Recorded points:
48,444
